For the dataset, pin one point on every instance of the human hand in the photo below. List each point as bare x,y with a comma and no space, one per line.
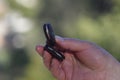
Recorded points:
83,61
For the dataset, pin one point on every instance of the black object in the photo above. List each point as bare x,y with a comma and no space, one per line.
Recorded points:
49,47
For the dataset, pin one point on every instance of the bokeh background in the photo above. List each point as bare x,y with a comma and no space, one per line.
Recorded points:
21,24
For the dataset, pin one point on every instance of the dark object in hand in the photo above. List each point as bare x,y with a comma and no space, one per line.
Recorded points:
49,47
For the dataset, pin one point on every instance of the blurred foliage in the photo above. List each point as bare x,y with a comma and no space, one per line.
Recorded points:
28,12
94,20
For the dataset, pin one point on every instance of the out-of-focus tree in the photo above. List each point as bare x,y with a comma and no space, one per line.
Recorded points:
94,20
21,17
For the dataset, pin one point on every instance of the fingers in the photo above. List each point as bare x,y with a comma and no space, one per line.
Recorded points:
49,62
55,67
47,59
68,66
88,53
40,49
46,56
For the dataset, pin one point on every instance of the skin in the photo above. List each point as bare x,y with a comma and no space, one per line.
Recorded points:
83,61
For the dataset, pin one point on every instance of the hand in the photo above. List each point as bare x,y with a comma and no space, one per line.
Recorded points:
83,61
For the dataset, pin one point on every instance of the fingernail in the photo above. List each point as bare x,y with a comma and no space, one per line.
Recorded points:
37,48
58,38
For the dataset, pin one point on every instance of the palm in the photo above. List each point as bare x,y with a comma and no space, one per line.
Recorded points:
73,69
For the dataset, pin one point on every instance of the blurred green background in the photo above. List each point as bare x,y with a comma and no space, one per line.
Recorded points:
21,24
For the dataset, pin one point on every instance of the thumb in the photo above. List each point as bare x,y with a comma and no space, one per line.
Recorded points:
71,44
88,53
